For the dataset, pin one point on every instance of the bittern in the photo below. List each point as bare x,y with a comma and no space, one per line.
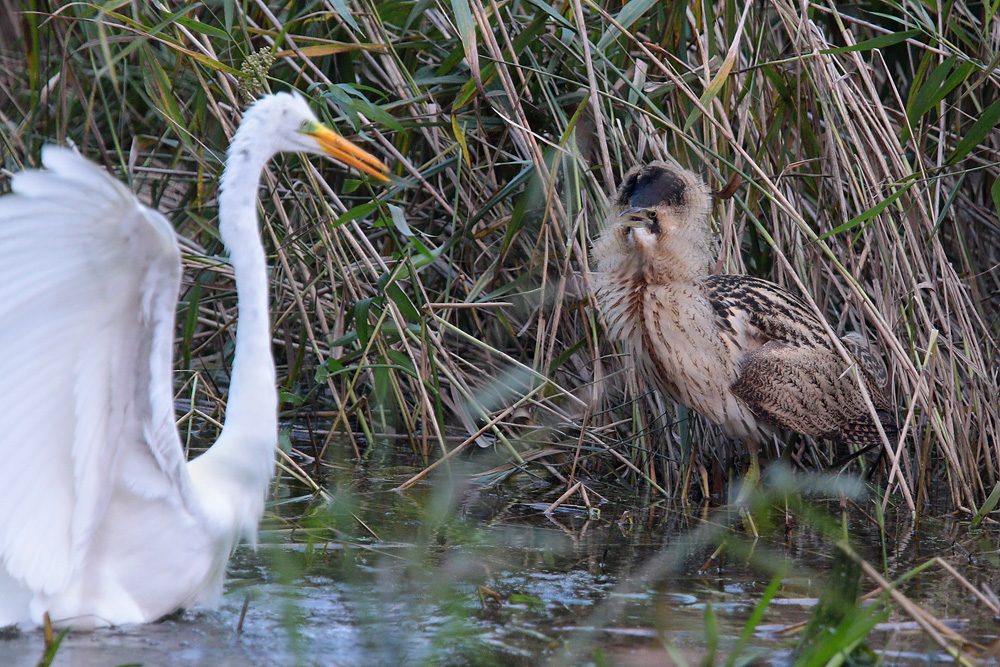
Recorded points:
743,352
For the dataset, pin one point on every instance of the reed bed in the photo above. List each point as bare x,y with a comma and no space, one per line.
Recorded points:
450,313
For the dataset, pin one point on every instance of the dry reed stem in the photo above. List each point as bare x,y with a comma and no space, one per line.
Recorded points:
930,625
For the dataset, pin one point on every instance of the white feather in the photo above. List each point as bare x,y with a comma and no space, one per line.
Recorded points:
74,347
102,521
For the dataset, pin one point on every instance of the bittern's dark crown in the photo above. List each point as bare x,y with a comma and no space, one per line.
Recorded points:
652,185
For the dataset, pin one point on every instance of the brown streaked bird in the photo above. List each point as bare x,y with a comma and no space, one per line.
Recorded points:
743,352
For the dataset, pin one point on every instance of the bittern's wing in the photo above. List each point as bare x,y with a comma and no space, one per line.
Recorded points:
806,390
768,311
789,374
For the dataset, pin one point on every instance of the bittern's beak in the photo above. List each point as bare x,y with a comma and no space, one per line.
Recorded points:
637,216
343,150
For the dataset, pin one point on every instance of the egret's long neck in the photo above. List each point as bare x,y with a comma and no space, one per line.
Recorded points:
249,435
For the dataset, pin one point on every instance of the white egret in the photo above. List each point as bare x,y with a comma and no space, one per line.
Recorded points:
102,521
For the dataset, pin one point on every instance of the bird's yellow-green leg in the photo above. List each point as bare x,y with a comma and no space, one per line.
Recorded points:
753,472
751,482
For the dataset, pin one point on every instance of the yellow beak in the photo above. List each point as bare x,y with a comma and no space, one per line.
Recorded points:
342,149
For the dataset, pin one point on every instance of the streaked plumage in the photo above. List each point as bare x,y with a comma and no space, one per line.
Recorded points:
744,352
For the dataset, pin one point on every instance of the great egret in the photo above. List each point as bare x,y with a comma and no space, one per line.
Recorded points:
102,521
744,352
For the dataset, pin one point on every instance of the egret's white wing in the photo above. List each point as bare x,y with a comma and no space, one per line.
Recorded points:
88,290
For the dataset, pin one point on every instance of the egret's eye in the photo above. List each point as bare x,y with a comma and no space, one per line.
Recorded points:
306,126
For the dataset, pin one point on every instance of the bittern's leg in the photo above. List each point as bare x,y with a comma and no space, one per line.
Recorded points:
751,482
753,472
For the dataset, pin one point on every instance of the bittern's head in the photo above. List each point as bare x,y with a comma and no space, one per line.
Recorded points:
658,225
658,200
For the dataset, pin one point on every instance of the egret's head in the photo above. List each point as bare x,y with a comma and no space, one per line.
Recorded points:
658,226
285,123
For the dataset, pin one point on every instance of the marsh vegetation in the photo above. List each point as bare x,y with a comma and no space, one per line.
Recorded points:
447,321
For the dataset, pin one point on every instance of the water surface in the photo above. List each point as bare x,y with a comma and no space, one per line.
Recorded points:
456,576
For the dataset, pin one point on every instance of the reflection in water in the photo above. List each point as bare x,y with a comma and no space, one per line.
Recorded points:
445,576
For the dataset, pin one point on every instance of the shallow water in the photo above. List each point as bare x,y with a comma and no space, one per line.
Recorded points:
449,577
